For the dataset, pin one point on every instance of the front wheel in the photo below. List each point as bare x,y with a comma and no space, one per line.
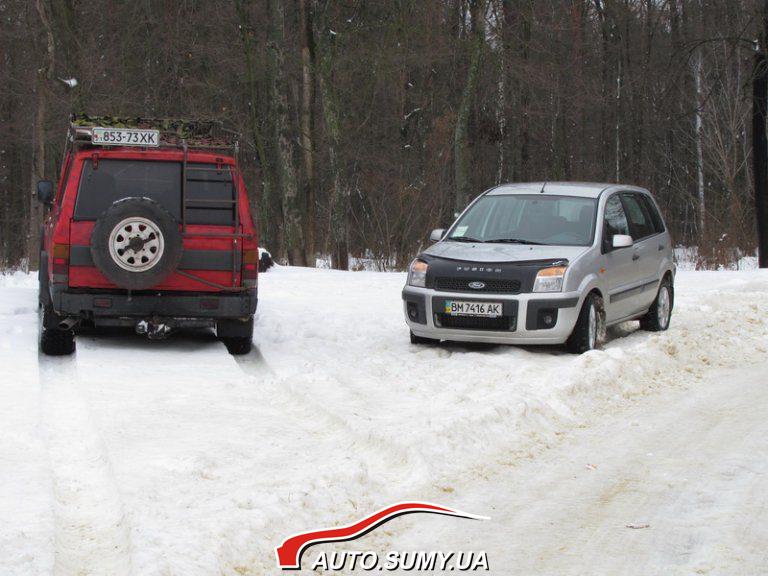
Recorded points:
660,313
589,332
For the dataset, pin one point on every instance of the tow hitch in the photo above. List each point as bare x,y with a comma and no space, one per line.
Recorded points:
154,329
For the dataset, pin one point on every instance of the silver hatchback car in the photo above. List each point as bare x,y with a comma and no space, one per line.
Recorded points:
544,263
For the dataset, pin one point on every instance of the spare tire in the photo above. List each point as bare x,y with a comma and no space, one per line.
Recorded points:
136,243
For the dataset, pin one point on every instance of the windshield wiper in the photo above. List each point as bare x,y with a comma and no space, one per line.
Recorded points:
465,239
514,241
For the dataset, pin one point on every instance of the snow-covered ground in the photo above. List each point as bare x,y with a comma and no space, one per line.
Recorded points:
174,458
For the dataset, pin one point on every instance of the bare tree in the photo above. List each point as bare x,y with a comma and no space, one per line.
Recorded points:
286,172
461,149
339,188
44,80
307,147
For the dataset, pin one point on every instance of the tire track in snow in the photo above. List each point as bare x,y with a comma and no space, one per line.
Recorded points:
253,364
393,465
91,530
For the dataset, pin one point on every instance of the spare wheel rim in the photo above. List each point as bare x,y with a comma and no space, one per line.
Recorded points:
136,244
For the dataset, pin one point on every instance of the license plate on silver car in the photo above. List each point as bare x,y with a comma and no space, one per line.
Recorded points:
125,137
464,308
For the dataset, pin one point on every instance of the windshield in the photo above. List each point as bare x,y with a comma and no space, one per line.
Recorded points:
528,219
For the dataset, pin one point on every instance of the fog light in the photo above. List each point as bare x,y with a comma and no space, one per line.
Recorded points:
547,318
413,311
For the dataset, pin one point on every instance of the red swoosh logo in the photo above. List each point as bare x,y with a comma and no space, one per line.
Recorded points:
290,551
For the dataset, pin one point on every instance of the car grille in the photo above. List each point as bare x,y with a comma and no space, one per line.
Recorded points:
493,286
501,323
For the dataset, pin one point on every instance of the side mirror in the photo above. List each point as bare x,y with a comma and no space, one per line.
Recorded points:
45,192
622,241
437,234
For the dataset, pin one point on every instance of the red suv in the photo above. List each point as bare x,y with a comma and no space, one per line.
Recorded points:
149,228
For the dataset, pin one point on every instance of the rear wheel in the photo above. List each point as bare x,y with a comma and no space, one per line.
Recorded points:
237,346
660,313
43,293
53,340
237,335
589,332
421,340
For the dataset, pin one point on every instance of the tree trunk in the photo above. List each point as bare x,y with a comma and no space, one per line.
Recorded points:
44,77
760,142
307,98
525,97
289,193
698,132
64,18
339,193
463,182
268,218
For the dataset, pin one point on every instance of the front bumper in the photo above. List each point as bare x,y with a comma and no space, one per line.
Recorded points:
526,312
104,305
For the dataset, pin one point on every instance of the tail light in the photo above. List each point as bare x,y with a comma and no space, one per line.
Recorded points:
250,270
60,266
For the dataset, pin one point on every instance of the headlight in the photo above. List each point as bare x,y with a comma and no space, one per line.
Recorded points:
549,279
417,275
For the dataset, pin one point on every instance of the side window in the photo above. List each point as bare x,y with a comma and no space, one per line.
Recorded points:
615,221
653,212
639,221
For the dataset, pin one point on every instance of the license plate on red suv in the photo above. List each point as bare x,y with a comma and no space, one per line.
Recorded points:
466,308
125,137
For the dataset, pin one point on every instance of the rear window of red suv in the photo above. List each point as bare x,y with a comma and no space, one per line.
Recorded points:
210,191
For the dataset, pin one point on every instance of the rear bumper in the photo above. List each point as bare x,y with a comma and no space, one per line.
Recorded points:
523,310
110,304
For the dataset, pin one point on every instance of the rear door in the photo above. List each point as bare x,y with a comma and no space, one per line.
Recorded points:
646,250
207,220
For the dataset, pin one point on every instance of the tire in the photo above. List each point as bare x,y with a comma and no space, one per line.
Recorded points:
589,332
136,243
43,290
54,341
236,335
420,340
660,313
239,345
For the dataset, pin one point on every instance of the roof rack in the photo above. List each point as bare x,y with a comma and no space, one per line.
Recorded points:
174,132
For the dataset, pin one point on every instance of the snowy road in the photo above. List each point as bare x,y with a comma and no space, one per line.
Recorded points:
137,457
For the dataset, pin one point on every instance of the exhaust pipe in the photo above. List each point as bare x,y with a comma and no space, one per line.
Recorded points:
158,331
68,323
153,329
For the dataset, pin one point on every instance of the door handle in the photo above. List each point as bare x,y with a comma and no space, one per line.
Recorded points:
635,256
661,247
